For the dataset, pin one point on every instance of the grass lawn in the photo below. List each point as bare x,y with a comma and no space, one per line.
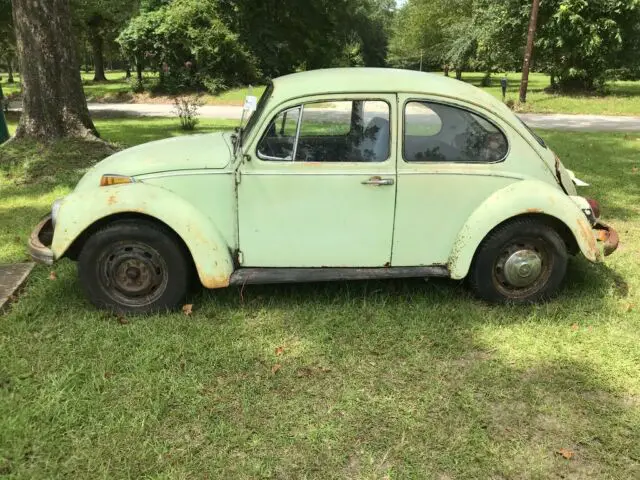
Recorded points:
623,97
388,379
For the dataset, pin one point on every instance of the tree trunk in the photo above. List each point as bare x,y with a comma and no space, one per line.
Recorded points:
128,72
10,68
139,70
53,102
97,46
458,74
528,53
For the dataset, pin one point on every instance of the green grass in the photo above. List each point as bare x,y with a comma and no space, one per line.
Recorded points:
393,379
623,98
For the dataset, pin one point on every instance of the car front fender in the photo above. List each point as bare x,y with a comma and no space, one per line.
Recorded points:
528,197
82,209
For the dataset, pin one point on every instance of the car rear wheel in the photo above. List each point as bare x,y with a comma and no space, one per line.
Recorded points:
523,261
134,266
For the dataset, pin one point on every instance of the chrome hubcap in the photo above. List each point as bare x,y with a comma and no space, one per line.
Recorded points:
523,268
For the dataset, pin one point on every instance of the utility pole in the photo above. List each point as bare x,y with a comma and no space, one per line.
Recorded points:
528,54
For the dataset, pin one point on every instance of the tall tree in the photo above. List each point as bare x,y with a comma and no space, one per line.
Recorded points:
440,31
53,101
100,21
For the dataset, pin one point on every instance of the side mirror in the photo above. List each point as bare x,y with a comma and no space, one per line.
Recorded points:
250,104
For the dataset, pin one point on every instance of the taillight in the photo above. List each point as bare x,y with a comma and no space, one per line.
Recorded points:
595,207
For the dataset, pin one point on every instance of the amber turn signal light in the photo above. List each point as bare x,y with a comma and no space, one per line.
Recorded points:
108,180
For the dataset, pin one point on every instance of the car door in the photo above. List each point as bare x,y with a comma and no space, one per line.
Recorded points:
451,158
318,185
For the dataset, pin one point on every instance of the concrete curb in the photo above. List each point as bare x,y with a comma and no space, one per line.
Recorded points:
12,278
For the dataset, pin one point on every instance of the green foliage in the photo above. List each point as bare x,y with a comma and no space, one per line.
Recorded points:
580,40
191,47
98,22
580,43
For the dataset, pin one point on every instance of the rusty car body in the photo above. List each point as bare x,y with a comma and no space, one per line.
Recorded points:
339,174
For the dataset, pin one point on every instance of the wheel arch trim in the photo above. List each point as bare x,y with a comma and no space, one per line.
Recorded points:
528,198
210,253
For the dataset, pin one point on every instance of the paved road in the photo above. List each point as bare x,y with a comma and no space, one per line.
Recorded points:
543,121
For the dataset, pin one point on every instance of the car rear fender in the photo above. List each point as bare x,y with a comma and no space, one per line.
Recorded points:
528,197
81,210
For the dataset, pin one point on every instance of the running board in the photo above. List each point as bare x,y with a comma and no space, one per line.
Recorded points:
247,276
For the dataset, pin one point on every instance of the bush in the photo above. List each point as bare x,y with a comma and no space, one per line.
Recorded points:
191,46
188,110
137,87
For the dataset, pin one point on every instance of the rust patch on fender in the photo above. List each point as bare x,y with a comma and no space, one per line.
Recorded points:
215,282
533,210
586,234
112,200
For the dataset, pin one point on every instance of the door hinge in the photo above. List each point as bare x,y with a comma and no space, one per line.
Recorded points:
238,177
239,257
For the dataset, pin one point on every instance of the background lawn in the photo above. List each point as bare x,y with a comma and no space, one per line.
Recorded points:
393,379
623,98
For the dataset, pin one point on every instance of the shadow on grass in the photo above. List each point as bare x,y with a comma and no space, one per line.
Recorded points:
376,378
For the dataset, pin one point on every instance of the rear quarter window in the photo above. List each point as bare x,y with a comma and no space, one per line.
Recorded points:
436,132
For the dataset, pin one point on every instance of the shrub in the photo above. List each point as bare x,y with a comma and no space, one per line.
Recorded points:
188,110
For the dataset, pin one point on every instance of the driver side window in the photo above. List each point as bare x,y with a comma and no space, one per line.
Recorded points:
278,142
336,131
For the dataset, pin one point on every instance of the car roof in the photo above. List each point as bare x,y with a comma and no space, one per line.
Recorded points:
380,80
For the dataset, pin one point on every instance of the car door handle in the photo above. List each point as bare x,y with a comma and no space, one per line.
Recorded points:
379,181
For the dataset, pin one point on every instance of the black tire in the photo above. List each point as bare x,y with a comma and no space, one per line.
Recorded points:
135,266
510,256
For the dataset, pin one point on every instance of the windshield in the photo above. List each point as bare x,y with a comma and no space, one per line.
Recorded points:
535,135
244,132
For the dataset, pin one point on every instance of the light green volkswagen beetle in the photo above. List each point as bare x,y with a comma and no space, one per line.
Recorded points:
339,174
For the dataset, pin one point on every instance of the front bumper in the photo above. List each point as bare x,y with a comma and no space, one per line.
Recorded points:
40,242
607,237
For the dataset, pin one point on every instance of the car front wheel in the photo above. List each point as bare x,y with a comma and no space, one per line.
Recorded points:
134,266
523,261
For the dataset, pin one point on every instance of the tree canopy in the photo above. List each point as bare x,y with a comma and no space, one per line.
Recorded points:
579,42
220,43
213,44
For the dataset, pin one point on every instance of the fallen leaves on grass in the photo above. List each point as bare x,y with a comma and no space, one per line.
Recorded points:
53,276
122,320
187,309
279,351
574,327
276,368
568,454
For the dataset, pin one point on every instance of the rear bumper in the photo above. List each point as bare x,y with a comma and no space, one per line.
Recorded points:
607,237
40,242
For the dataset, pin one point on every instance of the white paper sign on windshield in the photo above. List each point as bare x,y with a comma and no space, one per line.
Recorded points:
250,103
